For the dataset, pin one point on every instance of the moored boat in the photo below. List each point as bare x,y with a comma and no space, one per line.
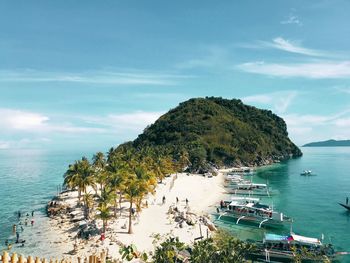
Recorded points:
307,172
253,212
285,248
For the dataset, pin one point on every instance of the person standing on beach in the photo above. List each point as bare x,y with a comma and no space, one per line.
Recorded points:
163,200
186,202
177,200
32,213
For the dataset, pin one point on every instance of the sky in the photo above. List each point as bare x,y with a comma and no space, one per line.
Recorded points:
93,74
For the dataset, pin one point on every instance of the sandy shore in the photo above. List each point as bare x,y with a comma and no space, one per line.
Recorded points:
58,234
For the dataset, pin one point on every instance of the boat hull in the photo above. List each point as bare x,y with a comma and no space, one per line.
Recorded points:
271,223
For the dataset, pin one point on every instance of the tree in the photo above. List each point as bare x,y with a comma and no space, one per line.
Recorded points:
231,249
99,167
204,251
169,251
104,215
79,175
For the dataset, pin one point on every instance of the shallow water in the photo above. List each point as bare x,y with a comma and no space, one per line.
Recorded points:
29,178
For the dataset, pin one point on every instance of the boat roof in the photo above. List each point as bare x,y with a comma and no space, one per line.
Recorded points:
293,237
306,240
275,237
245,198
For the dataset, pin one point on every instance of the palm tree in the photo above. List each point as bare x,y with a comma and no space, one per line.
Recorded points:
99,166
104,215
79,175
131,191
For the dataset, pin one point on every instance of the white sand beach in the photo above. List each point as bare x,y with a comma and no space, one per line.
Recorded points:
203,194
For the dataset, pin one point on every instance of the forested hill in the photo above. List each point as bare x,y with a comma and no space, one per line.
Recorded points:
329,143
222,132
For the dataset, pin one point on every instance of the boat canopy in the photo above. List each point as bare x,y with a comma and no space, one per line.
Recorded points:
292,238
275,237
306,240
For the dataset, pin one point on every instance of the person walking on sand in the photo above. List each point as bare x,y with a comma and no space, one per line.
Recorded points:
186,202
177,200
163,200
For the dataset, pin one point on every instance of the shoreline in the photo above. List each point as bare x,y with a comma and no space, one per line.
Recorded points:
57,234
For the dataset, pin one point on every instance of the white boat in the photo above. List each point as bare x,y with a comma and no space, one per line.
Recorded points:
254,212
279,248
306,172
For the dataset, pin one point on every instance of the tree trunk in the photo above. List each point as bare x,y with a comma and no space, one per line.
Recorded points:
130,217
79,196
115,207
120,203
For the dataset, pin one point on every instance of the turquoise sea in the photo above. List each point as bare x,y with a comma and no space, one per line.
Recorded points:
29,178
312,201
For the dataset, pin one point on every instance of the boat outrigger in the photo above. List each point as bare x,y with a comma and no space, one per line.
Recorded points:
252,211
284,248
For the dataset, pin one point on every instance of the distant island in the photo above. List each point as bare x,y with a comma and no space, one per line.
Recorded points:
329,143
219,132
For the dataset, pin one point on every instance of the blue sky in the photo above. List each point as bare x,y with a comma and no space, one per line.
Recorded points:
93,74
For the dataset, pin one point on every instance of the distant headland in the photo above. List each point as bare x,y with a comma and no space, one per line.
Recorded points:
329,143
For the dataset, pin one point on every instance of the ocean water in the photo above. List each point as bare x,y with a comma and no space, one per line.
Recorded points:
29,179
312,201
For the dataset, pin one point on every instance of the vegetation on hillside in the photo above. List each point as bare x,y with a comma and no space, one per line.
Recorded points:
220,132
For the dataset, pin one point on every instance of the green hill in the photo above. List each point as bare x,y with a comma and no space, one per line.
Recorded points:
221,132
329,143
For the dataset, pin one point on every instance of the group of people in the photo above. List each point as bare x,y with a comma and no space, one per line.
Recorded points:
177,201
18,228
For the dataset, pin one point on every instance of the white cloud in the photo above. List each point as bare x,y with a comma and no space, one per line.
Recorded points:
214,56
292,19
307,128
4,145
292,46
278,101
135,121
129,124
20,121
106,77
311,70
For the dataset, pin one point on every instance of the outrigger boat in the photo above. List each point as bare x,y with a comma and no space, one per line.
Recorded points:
251,189
279,248
254,212
307,172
